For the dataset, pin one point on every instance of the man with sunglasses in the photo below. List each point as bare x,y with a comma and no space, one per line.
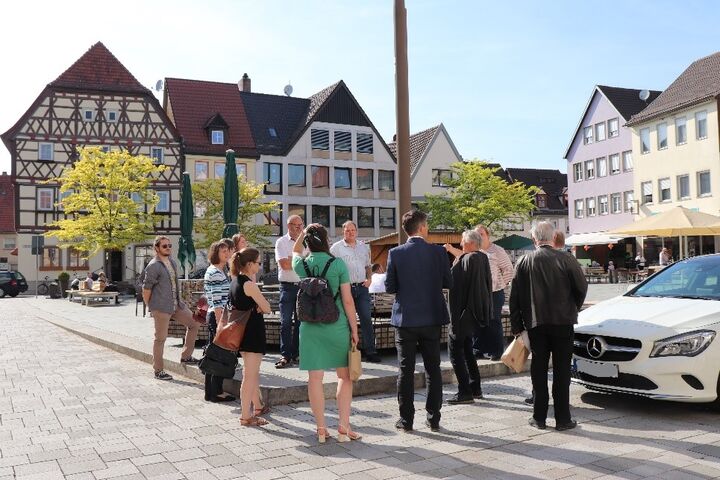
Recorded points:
161,293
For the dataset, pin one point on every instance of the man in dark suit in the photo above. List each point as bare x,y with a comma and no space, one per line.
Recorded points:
417,272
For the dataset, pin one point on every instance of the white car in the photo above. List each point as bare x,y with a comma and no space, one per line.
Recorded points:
659,340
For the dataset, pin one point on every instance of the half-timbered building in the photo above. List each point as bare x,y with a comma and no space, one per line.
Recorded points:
95,102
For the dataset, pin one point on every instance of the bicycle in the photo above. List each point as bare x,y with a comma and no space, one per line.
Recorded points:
43,287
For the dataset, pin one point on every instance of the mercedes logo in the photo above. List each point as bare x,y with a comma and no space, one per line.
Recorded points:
596,346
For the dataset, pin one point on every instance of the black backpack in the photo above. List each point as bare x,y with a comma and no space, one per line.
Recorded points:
315,301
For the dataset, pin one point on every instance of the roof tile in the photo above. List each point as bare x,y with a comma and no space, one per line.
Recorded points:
418,144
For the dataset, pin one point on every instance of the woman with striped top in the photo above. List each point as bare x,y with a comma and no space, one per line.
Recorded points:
217,287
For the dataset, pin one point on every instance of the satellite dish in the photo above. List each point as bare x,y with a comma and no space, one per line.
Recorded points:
158,85
288,89
644,95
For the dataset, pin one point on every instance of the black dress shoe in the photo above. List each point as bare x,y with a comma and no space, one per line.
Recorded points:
478,395
373,358
458,399
530,400
434,427
403,425
566,426
537,424
224,398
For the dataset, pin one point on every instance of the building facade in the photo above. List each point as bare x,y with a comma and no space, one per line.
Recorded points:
8,237
551,202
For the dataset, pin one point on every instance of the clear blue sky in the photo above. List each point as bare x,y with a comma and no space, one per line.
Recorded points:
508,79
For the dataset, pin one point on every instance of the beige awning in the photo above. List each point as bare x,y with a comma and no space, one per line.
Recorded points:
672,223
596,238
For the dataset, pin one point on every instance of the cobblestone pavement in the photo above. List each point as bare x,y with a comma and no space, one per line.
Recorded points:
72,409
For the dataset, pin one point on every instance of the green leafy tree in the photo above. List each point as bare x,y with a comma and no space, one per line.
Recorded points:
208,195
107,198
477,195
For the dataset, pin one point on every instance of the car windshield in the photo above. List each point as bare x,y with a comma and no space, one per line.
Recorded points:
697,277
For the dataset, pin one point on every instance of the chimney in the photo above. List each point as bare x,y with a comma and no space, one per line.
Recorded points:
245,83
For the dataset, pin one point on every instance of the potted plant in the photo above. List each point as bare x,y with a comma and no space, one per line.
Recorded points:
64,281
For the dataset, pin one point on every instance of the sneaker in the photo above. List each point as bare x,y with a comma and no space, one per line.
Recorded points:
190,360
434,427
537,424
566,426
163,375
458,399
373,358
403,425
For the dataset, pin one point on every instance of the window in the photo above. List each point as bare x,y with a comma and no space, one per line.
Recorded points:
627,161
615,203
703,184
588,135
629,201
319,139
88,115
241,170
644,140
366,217
646,189
201,170
45,151
387,217
386,180
662,136
603,203
364,179
664,190
541,200
578,172
296,175
343,141
299,210
579,208
365,143
217,137
600,132
680,131
613,128
701,125
75,259
614,164
112,116
105,149
50,259
320,177
272,177
602,167
321,215
274,220
219,169
590,169
440,177
45,199
590,202
163,205
683,186
8,243
63,196
342,214
343,178
156,153
272,132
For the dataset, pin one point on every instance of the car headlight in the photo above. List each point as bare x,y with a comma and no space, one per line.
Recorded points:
686,345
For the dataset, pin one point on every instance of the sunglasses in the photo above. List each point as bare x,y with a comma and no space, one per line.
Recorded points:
167,245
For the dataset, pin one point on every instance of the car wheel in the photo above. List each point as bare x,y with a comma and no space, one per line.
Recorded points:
14,293
2,293
715,405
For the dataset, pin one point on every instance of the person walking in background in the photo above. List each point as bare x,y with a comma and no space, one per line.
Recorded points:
470,309
548,290
245,295
417,272
356,255
289,330
377,281
161,294
217,286
239,241
665,257
326,345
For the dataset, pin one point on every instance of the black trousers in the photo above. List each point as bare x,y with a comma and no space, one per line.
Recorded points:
213,383
464,364
555,341
408,340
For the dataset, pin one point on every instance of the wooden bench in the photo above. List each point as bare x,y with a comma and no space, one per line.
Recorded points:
89,298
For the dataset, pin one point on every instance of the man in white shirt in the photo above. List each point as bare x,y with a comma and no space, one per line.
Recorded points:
377,281
356,255
289,329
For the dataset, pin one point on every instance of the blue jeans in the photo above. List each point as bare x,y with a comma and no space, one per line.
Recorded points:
361,297
289,328
490,340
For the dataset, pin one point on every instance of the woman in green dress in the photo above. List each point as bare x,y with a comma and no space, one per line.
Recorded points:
326,345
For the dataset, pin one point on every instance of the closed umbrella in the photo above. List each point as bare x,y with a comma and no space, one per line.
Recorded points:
186,248
230,196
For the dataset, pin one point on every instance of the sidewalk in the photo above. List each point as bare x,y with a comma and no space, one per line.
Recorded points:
116,327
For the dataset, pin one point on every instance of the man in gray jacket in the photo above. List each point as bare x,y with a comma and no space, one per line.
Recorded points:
161,293
548,290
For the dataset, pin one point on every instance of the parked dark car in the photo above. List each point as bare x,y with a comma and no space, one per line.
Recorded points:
12,283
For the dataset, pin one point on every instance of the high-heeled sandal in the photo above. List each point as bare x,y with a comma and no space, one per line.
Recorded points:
264,410
346,435
253,422
323,434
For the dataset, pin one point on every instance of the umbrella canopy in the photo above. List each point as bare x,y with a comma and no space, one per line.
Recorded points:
672,223
230,196
186,248
515,242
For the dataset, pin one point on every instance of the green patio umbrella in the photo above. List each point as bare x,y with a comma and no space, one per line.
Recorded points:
230,196
515,242
186,248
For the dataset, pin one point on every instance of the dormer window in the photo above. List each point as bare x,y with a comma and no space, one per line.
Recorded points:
217,137
541,200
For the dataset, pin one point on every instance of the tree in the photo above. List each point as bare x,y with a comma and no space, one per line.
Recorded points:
208,195
107,198
476,195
